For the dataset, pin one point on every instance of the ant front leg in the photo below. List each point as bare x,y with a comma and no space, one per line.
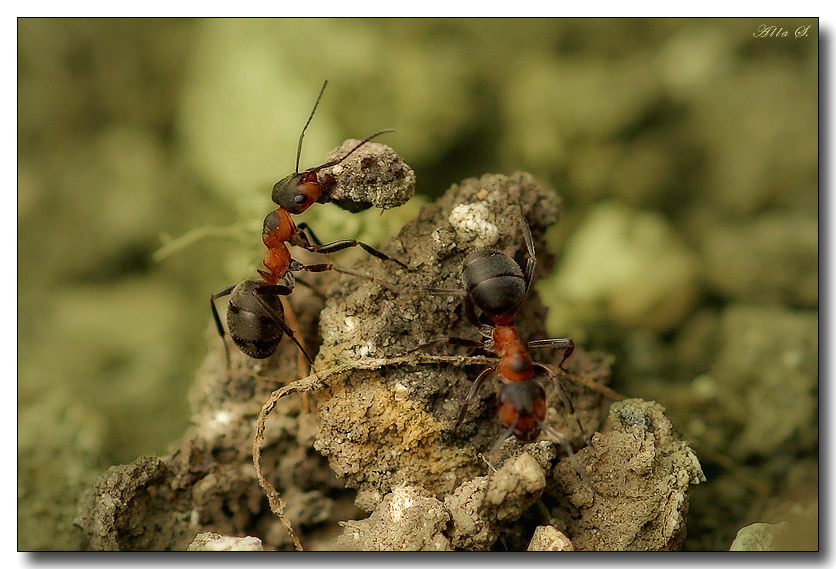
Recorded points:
531,264
465,343
448,341
309,234
471,396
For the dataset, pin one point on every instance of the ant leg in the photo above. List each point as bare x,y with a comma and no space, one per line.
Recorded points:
564,399
567,343
370,278
502,438
471,395
322,267
531,264
466,343
575,462
449,341
271,290
220,294
309,233
470,313
312,288
443,291
301,366
335,246
293,323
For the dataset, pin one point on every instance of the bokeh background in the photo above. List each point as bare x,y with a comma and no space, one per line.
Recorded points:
686,152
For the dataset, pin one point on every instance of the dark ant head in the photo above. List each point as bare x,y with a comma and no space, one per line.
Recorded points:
522,408
495,283
297,192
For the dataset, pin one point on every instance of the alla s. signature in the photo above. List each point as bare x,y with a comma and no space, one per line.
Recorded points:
771,31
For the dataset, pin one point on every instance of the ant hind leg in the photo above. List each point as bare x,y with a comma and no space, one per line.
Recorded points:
226,291
288,331
564,399
572,457
499,442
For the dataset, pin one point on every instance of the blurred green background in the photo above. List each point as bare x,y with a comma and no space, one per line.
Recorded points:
686,151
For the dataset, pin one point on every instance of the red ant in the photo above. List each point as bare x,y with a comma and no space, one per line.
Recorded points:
255,316
497,285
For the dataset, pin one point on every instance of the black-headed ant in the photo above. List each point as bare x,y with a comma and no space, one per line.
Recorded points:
496,284
255,316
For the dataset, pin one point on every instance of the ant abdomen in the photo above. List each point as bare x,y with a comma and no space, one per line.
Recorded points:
252,319
493,281
523,405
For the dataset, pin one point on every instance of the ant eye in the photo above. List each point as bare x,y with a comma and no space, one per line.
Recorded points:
300,199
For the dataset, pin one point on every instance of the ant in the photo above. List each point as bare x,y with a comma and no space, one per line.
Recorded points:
255,316
495,283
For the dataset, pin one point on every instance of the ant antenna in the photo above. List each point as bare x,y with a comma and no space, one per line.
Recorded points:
304,128
350,152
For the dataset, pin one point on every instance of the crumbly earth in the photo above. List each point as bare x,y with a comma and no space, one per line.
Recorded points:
207,482
642,470
210,541
387,429
391,427
408,411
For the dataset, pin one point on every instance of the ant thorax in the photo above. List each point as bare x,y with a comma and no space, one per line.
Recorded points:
278,228
515,365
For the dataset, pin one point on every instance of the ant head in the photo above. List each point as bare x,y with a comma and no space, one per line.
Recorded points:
297,192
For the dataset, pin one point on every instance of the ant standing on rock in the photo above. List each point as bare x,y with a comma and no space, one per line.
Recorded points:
497,285
255,315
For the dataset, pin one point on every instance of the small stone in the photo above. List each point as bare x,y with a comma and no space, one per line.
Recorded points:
549,538
756,537
210,541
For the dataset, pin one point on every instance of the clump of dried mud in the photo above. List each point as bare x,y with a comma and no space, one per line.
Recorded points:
372,175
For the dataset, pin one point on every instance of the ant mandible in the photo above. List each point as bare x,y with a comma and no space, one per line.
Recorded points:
255,316
495,284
